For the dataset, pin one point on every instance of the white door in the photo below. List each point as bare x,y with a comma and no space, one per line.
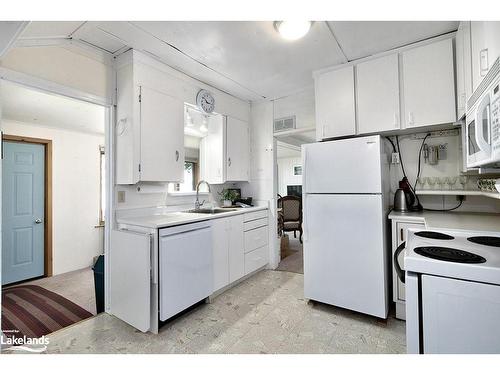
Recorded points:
334,98
429,85
345,255
238,150
378,94
460,316
236,248
343,166
130,278
220,243
162,137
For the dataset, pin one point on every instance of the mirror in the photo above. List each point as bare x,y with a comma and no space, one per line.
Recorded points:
203,146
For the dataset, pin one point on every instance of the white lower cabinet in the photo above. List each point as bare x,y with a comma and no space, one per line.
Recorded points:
228,250
399,230
239,246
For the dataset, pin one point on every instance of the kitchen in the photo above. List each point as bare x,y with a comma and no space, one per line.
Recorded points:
400,200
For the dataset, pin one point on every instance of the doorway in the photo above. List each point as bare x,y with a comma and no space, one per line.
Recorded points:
26,208
55,205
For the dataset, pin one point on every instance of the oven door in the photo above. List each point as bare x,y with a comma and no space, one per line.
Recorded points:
478,137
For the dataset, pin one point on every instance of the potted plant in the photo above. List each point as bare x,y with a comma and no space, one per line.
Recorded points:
227,197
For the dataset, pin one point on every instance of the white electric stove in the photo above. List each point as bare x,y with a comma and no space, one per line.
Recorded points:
452,291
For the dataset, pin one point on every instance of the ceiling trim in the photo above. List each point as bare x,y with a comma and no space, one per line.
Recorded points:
346,59
13,38
288,146
296,131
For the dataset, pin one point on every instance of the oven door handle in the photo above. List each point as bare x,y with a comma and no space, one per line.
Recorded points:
399,271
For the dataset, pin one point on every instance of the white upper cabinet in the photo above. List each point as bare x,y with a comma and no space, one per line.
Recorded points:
335,108
150,126
238,150
428,85
162,137
485,42
378,94
463,66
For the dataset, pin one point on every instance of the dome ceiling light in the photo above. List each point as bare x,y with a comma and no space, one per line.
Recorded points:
292,30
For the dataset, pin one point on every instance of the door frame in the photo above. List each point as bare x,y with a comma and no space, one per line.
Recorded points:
47,143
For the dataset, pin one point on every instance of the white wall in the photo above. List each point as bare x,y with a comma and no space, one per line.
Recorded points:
449,167
75,184
285,174
300,104
63,66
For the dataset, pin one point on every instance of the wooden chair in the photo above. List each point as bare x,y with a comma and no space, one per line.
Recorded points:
290,216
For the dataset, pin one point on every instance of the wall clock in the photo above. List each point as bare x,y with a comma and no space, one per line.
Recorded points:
205,101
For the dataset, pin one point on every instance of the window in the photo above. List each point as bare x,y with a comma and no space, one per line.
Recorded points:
191,177
102,187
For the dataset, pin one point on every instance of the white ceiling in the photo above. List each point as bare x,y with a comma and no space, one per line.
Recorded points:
247,59
284,150
24,104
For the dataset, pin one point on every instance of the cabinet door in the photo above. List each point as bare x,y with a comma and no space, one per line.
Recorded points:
464,67
429,85
162,137
236,248
335,109
238,150
220,243
485,41
378,94
130,278
401,230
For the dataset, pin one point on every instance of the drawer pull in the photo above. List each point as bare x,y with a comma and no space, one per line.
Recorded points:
402,239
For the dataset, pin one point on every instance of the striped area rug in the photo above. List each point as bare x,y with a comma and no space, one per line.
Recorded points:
32,311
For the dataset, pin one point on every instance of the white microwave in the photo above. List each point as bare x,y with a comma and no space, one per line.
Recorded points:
482,127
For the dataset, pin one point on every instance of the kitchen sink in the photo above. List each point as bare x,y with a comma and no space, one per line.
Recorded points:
210,210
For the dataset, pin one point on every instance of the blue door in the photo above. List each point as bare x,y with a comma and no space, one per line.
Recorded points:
23,219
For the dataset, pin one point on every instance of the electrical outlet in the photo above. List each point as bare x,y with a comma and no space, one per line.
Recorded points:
395,158
120,196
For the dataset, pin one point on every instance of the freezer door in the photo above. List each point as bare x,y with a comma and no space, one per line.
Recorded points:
345,252
344,166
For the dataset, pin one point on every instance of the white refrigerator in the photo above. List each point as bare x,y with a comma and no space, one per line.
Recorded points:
345,202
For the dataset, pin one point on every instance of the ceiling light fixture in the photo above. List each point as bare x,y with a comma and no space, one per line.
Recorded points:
203,127
292,30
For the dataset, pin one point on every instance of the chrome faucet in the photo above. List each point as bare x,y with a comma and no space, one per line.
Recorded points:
197,203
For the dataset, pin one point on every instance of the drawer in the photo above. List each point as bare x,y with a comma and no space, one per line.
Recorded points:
249,225
256,259
256,238
255,215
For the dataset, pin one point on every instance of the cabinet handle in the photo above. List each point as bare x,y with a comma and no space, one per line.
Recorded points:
401,236
176,155
483,62
410,118
229,161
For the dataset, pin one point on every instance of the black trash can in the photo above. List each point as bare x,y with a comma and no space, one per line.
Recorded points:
99,283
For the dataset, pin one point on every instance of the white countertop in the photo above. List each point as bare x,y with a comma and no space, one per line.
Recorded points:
474,221
169,219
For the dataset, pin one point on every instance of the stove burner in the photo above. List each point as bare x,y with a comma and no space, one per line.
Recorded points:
486,240
448,254
434,235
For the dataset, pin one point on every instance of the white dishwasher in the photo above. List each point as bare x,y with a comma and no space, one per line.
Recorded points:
185,267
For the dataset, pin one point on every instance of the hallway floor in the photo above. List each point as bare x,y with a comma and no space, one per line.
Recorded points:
265,314
77,286
292,255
